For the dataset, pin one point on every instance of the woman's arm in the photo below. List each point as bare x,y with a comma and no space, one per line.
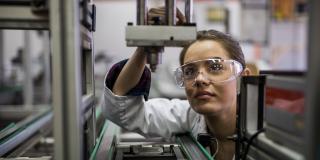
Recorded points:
156,117
131,73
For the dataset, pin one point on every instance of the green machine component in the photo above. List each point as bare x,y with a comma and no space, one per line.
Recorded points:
21,129
111,146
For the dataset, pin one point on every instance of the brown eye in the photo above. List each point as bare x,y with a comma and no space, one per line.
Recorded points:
215,67
189,71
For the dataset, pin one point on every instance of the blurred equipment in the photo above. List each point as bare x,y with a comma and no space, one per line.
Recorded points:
2,75
284,111
22,132
118,145
154,37
75,125
24,14
271,116
76,122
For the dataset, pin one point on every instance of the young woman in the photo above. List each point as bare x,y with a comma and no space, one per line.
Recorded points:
208,72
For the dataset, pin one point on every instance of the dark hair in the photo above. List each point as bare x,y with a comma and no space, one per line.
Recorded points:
228,43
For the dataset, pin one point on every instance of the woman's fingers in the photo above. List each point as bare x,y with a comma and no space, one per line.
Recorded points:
181,17
160,13
156,12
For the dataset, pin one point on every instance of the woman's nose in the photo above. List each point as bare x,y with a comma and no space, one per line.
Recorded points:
201,79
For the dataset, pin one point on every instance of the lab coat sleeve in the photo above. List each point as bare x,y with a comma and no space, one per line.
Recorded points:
143,86
155,117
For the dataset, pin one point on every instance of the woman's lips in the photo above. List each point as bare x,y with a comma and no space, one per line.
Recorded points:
204,95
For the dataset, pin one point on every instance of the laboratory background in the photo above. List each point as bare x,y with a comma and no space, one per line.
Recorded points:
55,55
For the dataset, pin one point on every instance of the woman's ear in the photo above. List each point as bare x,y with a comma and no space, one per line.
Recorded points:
251,69
246,72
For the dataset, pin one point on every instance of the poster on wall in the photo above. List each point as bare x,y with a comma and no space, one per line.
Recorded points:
288,10
255,21
216,15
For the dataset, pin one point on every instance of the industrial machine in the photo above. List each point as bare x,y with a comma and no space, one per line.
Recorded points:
271,116
22,129
74,129
117,144
154,37
282,109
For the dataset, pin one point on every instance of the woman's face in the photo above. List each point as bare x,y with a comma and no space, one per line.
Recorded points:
205,97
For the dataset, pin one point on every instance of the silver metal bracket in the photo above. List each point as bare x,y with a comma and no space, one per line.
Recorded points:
174,36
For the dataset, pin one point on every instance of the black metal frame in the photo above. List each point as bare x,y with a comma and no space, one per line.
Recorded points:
242,135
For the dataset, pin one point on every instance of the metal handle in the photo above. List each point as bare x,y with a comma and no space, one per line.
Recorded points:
188,12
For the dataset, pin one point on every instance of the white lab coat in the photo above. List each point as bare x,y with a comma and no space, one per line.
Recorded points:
153,118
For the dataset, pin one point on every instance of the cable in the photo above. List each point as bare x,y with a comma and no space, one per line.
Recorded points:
206,140
217,148
251,140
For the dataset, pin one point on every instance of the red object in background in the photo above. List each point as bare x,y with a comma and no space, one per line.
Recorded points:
288,100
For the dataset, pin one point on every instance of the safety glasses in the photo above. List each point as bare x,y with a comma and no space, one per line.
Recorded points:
215,71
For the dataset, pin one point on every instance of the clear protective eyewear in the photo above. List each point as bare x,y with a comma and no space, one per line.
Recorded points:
216,70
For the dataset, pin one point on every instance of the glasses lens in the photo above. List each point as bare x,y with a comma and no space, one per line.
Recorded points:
189,71
179,77
216,70
219,70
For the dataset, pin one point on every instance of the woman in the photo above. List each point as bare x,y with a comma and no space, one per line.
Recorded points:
208,72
